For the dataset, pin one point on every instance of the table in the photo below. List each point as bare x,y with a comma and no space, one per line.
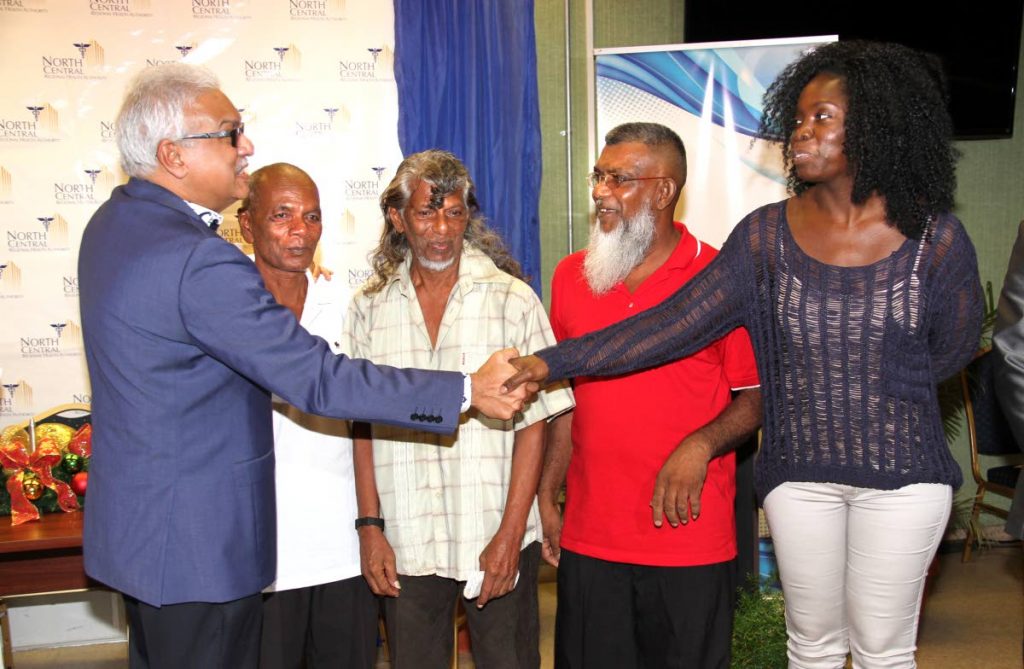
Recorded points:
40,557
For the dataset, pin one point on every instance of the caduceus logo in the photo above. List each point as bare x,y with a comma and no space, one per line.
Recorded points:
45,120
42,125
92,174
53,236
331,111
287,64
184,49
15,392
58,328
2,268
63,65
366,69
379,171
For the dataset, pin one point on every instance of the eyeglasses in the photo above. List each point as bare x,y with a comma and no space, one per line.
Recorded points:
614,181
234,134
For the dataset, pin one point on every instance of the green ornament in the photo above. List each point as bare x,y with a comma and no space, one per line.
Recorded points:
72,462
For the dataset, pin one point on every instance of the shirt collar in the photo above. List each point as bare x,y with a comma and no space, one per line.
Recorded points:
207,216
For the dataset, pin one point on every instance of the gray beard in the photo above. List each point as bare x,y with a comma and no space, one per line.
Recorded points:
611,256
435,265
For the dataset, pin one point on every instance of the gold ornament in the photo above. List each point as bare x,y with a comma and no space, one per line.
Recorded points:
59,433
17,439
32,486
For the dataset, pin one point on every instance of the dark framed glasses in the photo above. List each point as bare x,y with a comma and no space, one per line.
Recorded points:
234,134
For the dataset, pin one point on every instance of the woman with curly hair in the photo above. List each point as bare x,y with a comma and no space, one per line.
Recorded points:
860,293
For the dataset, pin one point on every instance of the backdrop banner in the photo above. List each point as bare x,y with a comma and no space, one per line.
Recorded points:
711,95
314,81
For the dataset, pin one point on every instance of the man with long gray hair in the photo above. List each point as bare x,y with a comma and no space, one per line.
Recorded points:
452,509
184,345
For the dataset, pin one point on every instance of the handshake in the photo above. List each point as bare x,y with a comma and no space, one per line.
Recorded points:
505,382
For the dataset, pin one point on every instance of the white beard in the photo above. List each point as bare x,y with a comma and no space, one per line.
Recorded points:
435,265
611,256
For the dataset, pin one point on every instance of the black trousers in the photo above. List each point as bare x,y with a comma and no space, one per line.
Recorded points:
328,625
505,634
194,634
626,616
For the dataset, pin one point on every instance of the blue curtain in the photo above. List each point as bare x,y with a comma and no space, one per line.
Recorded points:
467,82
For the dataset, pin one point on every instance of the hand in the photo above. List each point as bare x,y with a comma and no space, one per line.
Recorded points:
531,370
499,561
377,559
551,521
488,396
679,484
318,270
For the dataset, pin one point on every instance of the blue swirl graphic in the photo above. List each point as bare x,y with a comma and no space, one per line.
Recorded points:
739,76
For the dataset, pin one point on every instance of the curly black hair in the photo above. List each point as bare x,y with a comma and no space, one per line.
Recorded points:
898,129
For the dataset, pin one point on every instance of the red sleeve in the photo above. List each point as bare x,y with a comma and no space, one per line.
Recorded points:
738,360
558,325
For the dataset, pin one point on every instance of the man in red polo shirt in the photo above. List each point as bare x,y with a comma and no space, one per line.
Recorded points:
637,588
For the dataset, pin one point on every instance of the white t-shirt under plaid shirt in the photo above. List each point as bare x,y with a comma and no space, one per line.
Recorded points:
442,497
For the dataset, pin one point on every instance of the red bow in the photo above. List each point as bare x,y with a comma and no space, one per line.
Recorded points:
14,455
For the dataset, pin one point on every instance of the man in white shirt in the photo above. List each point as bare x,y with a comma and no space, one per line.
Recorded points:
319,611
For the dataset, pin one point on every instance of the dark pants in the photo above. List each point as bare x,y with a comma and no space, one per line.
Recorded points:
626,616
505,633
329,625
194,634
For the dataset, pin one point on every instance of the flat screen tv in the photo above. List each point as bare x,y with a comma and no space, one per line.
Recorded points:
978,42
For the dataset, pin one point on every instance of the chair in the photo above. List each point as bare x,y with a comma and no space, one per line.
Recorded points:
989,434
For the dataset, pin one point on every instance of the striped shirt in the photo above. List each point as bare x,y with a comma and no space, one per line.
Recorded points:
443,496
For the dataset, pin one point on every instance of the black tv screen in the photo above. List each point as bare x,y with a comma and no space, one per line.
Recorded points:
978,42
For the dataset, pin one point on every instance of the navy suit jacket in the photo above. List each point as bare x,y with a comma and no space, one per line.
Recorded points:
183,344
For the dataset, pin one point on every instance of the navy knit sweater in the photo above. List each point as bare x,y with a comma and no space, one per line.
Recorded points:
849,357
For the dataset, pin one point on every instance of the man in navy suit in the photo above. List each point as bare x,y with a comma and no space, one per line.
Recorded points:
184,346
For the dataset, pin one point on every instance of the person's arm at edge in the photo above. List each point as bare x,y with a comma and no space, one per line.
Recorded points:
1008,341
376,557
500,558
557,453
678,485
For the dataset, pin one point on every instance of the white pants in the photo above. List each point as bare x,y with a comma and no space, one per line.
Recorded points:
853,563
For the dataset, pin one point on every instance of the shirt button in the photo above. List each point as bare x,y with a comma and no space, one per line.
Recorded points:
630,305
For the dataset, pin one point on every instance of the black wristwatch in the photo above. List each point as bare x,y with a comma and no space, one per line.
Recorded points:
370,520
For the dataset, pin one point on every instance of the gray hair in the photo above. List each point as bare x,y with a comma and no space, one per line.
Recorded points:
653,135
446,175
154,109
